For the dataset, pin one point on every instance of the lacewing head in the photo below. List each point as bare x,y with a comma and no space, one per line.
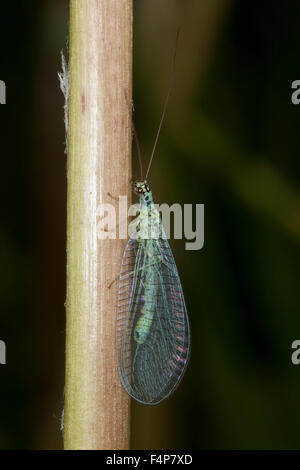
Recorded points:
140,187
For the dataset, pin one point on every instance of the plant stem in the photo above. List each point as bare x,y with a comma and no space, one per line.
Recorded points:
99,161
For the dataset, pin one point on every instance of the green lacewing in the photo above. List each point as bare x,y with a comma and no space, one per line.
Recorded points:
153,334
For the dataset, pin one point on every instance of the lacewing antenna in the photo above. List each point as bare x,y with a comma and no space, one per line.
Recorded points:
130,109
138,148
166,102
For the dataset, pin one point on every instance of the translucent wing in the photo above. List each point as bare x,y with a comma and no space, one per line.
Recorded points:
153,337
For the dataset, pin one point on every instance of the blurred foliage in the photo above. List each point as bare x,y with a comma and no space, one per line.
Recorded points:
230,141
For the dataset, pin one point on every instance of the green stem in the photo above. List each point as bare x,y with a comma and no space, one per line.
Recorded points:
99,161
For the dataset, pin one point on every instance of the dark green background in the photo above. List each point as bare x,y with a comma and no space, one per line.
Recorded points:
231,141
